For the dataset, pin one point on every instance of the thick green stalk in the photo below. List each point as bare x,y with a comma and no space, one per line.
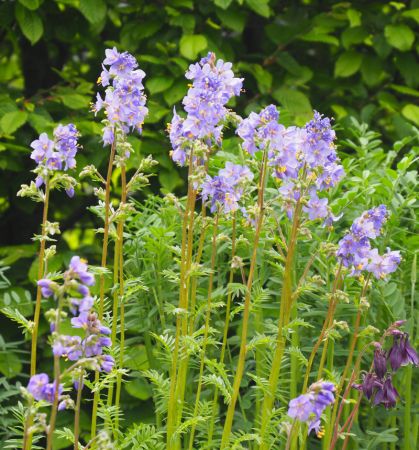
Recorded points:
120,234
284,316
206,328
54,408
114,307
407,420
96,397
330,424
41,262
329,317
77,413
184,266
226,327
246,313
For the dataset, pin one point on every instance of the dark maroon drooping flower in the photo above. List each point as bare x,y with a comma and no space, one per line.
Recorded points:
386,395
380,362
402,353
369,385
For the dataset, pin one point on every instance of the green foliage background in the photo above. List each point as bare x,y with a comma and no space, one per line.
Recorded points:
345,59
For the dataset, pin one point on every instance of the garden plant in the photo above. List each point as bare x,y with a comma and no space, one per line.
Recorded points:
198,254
265,309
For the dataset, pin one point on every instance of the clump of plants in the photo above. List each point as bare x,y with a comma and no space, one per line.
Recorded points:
250,298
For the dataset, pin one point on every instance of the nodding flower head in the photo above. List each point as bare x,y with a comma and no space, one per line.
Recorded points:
402,353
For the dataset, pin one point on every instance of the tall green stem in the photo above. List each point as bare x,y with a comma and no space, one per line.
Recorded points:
206,328
409,432
246,313
329,315
348,364
41,263
120,234
226,327
96,397
54,407
284,316
77,412
172,412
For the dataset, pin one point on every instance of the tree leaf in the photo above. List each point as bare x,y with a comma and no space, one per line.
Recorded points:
411,112
10,364
192,44
30,4
399,36
372,70
224,4
260,7
294,101
159,84
93,10
30,23
412,14
347,64
11,121
75,101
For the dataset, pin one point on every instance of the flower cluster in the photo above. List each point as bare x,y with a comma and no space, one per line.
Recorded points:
74,293
57,154
213,85
124,101
297,155
41,389
377,385
226,189
355,248
77,280
310,406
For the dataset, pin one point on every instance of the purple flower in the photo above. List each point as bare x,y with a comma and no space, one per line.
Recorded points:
45,286
316,207
369,385
213,85
124,101
402,353
37,384
370,223
301,407
225,189
386,395
52,155
50,390
260,131
66,144
78,267
42,148
380,362
382,265
310,406
40,388
107,363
